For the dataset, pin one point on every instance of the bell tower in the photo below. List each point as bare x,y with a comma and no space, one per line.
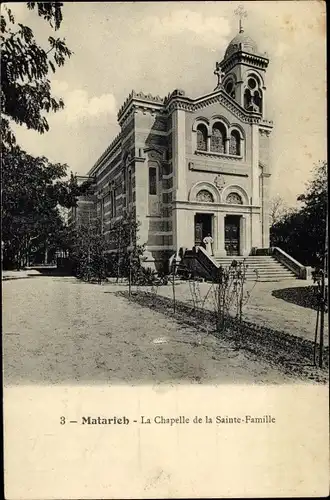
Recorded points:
242,72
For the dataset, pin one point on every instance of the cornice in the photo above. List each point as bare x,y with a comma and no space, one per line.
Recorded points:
110,148
266,123
222,169
192,204
136,159
177,102
139,100
218,156
241,57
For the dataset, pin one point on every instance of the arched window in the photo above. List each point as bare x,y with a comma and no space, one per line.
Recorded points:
202,137
230,88
205,196
253,96
247,99
218,138
235,143
257,99
234,199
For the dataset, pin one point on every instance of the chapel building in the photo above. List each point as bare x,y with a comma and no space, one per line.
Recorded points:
192,167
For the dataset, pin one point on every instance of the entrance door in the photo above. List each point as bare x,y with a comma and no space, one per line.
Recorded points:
203,227
232,234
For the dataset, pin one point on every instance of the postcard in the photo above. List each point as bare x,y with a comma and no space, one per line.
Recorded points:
164,250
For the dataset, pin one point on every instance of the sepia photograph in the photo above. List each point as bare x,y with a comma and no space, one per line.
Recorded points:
165,246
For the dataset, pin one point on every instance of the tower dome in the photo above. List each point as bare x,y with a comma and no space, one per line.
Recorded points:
243,42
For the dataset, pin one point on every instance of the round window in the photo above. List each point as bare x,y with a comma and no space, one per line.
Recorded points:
252,83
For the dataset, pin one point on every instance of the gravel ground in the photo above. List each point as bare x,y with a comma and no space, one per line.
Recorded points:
15,275
58,330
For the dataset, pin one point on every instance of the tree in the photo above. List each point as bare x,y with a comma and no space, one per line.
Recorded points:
302,232
89,246
33,190
25,67
277,209
124,242
315,207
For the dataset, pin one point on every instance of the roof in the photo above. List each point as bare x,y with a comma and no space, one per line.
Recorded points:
243,42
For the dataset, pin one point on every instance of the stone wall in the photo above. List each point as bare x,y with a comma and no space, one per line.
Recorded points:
153,211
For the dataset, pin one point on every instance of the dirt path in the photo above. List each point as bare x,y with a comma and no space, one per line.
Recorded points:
58,330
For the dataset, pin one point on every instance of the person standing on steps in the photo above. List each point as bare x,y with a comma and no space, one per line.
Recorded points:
208,242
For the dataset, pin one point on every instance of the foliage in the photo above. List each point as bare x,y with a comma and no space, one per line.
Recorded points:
89,245
33,189
229,293
25,68
145,276
118,254
124,241
321,293
226,297
277,209
301,233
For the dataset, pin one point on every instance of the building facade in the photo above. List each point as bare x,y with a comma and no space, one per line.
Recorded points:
190,167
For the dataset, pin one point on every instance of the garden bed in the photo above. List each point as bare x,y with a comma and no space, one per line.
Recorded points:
278,348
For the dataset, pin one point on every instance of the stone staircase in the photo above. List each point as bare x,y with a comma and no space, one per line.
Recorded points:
267,267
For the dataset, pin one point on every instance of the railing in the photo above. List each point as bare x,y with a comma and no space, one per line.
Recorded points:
207,262
261,251
198,262
201,262
302,272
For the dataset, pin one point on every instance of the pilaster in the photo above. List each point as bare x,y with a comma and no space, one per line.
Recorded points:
248,234
220,234
179,154
255,164
183,228
242,230
265,211
256,230
142,200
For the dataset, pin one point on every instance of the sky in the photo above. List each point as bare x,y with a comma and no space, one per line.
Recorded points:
157,47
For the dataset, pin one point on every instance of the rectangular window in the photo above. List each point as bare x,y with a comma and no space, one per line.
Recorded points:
124,180
114,210
130,187
124,187
102,214
152,180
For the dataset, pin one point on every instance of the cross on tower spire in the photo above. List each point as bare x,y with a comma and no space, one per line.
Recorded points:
241,13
